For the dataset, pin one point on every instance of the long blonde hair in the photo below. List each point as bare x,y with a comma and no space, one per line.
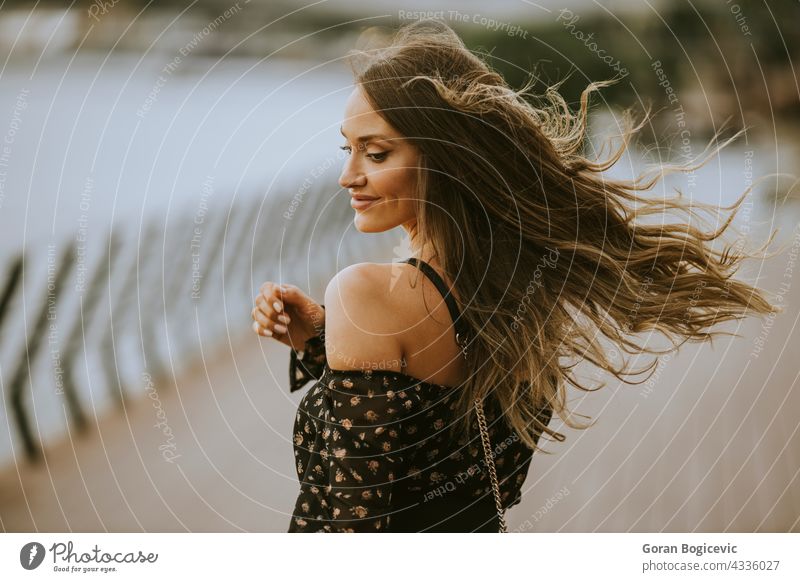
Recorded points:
543,251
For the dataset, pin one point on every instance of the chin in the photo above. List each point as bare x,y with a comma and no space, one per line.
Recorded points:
366,223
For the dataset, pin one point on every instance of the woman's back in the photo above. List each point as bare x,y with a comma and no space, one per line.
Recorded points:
430,351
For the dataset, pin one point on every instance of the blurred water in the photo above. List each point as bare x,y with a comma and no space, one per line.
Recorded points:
767,163
141,141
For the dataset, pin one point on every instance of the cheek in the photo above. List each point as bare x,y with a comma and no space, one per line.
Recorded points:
395,184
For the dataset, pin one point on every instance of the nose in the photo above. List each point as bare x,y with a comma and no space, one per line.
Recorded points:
351,177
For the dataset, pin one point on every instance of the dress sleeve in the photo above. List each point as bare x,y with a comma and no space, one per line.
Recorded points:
308,363
364,449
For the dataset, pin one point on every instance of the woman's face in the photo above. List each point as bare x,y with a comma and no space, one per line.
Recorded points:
381,166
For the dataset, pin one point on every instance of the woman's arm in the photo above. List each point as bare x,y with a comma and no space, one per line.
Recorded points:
364,450
363,325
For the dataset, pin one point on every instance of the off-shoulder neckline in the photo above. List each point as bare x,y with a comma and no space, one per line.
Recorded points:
375,372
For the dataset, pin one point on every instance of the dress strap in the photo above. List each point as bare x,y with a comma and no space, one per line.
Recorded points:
462,333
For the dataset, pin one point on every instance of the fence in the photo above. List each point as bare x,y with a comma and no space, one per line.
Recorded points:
145,296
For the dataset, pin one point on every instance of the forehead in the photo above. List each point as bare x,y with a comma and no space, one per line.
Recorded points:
360,117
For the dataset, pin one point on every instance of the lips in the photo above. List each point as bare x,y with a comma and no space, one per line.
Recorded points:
362,202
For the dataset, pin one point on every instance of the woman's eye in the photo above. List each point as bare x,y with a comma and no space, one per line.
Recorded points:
377,156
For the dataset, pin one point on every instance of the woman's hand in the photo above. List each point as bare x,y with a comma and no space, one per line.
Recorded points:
286,314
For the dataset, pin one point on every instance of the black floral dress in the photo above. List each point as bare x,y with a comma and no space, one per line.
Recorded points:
373,453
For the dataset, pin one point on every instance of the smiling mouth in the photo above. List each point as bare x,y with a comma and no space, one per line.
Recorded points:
361,204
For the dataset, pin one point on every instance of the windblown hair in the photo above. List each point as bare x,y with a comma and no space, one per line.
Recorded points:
544,252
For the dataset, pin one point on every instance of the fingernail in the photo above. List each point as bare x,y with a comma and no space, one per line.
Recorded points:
279,328
277,305
284,318
261,330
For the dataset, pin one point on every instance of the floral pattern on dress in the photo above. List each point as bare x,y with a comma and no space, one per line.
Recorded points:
365,438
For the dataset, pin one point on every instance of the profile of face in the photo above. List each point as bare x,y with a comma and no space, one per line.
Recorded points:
380,171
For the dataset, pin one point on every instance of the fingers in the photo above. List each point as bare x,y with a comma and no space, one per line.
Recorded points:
262,331
275,323
267,322
285,292
264,312
268,319
267,328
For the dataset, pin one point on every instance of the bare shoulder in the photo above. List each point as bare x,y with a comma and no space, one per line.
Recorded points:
363,325
379,316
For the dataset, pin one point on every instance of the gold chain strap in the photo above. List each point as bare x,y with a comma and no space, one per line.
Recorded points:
487,447
487,451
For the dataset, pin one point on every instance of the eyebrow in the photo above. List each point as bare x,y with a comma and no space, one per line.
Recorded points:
365,138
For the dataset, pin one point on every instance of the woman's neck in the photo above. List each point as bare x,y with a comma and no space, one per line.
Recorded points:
419,249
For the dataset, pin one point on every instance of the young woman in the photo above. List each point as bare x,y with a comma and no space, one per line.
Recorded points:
432,392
